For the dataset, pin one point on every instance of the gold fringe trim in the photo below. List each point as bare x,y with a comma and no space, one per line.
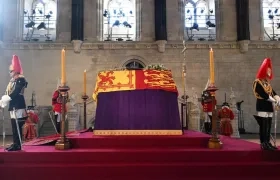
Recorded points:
136,132
267,89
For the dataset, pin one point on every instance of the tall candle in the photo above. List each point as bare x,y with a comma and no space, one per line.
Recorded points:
212,71
85,82
63,73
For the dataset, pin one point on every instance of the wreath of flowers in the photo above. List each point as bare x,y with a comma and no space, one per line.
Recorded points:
159,67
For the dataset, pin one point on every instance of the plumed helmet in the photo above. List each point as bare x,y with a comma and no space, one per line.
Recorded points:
16,65
262,72
206,96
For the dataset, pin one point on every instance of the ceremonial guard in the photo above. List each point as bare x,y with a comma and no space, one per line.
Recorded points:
267,99
207,105
15,98
57,107
226,115
29,130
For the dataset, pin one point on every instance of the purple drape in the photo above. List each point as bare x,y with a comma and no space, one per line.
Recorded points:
137,110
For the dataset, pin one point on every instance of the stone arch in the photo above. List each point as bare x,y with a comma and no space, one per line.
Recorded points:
130,59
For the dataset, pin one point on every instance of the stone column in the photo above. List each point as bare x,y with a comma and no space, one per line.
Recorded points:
147,20
175,20
90,20
226,20
77,20
256,20
160,20
194,113
160,24
242,20
234,122
64,20
10,20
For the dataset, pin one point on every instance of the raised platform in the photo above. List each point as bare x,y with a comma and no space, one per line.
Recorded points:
137,132
142,157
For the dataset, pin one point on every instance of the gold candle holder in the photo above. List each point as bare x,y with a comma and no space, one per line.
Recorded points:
214,142
63,143
85,98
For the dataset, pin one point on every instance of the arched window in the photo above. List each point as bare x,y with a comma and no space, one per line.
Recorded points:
134,64
271,19
39,20
200,19
119,20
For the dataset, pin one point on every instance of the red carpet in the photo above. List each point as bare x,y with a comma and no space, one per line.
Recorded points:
141,158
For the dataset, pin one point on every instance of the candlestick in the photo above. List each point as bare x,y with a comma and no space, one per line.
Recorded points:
63,142
63,73
214,142
85,98
212,71
85,82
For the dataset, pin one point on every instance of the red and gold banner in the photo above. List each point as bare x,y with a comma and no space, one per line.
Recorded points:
108,81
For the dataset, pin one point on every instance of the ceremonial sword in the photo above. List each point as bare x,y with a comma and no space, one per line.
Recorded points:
18,130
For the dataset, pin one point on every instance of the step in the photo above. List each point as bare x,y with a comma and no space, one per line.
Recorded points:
142,170
139,141
48,154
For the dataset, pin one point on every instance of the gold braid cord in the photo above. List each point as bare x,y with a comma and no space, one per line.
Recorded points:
268,89
9,87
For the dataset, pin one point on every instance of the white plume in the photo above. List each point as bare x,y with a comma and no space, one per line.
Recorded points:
58,83
5,100
207,84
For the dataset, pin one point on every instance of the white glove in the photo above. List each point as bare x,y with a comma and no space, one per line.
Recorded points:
271,99
277,98
5,100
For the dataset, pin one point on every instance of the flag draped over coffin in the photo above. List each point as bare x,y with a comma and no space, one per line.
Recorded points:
109,81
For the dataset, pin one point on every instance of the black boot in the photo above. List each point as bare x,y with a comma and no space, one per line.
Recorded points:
58,128
269,123
14,130
262,132
210,124
91,129
266,136
16,141
207,127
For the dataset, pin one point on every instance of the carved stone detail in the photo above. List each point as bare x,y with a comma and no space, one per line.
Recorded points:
244,46
194,112
234,122
77,45
161,45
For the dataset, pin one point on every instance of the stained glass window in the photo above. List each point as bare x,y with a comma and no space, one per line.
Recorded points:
119,20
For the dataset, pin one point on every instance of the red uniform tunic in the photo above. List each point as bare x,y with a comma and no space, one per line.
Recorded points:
29,130
57,102
207,106
226,115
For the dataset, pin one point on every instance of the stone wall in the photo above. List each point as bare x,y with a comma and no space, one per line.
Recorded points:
41,62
